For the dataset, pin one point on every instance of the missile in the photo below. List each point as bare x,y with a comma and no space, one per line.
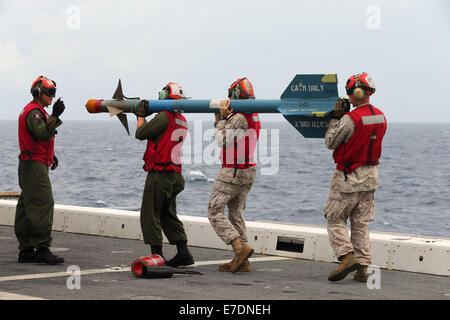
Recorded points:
306,103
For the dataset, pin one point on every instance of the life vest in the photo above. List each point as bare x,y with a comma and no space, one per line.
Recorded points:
364,146
32,148
165,154
240,153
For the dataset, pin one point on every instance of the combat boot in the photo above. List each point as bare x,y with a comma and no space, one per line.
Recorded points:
361,274
348,264
155,249
44,255
242,252
182,258
26,255
226,267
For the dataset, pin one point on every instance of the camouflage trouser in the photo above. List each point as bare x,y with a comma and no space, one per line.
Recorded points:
234,197
359,207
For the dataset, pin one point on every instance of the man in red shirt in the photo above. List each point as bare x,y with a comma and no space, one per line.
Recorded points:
34,211
356,139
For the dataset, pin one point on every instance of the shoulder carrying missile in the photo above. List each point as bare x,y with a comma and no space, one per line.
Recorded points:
306,103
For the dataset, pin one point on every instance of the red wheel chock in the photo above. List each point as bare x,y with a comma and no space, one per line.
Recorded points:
140,266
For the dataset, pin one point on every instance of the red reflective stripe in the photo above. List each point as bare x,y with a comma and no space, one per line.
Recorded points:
155,263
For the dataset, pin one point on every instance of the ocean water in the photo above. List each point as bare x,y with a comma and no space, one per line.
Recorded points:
101,166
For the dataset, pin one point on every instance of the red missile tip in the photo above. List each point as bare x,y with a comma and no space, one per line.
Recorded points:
94,106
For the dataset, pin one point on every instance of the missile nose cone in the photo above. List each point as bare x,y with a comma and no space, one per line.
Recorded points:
93,106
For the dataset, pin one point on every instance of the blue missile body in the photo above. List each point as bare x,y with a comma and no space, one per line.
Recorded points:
306,104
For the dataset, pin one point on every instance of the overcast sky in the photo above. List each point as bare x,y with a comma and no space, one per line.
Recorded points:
206,45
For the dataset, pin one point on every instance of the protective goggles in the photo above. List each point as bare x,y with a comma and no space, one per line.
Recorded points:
51,92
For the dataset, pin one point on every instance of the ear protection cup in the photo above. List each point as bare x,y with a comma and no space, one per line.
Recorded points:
35,92
235,93
162,95
36,87
358,93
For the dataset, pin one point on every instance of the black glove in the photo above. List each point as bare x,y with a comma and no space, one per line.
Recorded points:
58,108
142,110
341,107
54,163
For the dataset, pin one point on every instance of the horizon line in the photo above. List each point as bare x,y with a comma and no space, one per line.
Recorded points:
281,120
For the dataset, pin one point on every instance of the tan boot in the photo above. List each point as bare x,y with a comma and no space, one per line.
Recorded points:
361,274
242,252
226,267
348,264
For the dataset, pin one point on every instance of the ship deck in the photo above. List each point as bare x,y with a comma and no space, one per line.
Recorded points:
104,264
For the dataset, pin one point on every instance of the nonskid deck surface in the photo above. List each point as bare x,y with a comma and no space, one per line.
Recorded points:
105,274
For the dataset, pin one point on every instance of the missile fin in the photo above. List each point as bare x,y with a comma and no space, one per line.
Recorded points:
310,118
113,111
118,94
123,119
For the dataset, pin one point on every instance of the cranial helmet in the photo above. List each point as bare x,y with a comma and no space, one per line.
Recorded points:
172,91
359,85
43,85
242,88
